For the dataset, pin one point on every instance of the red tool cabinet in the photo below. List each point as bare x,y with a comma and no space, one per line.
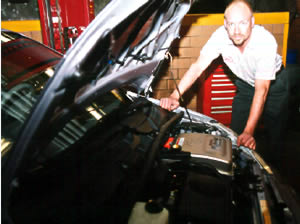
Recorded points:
216,92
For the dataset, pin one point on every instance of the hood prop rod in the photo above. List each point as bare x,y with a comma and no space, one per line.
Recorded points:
169,56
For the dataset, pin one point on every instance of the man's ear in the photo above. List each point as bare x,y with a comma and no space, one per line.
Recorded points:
252,21
225,22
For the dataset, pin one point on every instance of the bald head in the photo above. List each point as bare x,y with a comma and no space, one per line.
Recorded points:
238,6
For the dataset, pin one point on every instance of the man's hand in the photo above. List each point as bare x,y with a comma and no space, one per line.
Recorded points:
192,74
247,140
169,103
257,106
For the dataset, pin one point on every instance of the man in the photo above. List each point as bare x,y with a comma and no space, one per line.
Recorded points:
250,52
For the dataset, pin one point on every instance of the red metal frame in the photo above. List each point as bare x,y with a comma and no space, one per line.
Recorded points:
62,21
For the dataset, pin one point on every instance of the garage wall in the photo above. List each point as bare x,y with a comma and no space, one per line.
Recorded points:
194,33
36,35
30,28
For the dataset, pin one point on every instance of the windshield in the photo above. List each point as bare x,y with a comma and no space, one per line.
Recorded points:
17,103
66,128
63,129
26,66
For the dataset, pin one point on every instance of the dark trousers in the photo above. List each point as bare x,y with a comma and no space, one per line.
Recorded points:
275,115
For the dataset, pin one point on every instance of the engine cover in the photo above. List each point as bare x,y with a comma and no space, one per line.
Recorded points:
214,150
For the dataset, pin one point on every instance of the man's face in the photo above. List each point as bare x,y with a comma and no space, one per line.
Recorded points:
238,23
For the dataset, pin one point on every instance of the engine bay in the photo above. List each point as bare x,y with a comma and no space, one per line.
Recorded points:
148,165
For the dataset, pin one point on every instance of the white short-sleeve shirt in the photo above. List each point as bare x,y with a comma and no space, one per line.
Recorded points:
258,61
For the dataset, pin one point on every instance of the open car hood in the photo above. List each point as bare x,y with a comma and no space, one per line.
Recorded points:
124,44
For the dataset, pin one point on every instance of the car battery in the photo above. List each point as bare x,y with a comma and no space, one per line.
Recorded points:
213,150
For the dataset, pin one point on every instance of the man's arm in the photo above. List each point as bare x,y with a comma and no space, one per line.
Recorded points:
193,73
257,106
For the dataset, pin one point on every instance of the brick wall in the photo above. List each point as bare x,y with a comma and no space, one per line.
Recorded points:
36,35
184,51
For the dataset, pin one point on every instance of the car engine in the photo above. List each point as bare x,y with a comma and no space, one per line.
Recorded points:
144,164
